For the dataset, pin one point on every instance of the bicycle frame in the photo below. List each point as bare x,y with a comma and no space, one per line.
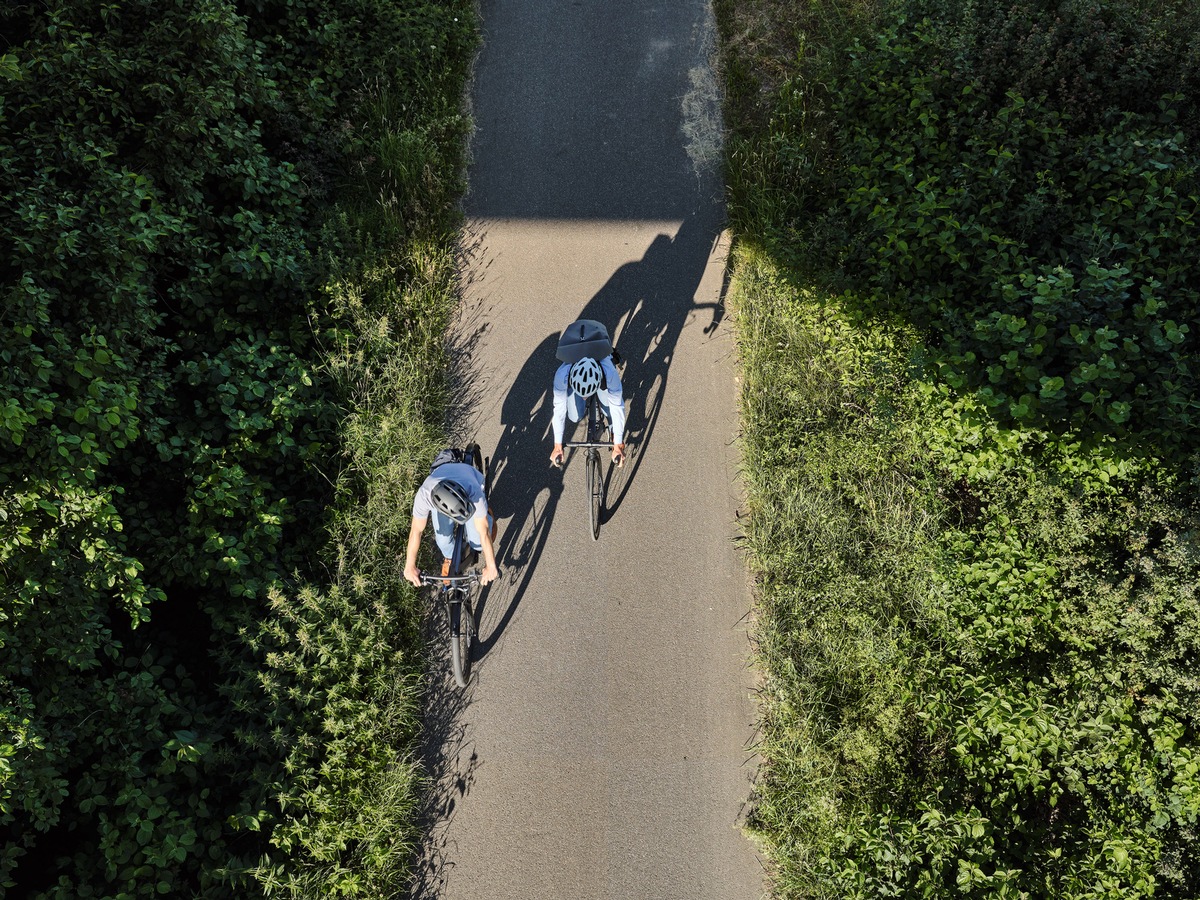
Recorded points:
454,591
594,427
592,478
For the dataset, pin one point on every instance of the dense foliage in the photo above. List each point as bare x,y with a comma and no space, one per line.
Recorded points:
1049,250
196,694
972,311
1020,185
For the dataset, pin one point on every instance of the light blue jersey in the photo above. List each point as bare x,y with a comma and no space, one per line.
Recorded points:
566,401
471,481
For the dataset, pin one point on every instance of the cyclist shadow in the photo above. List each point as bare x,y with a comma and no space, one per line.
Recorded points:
524,485
646,304
651,301
451,764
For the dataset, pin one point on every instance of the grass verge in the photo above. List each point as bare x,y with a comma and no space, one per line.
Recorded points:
839,536
344,661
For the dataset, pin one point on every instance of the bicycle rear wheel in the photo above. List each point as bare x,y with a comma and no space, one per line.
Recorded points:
462,637
595,490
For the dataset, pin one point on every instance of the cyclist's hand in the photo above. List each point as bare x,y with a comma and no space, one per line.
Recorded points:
488,575
556,456
619,454
412,574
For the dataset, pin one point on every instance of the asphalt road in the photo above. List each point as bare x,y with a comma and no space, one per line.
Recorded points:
604,747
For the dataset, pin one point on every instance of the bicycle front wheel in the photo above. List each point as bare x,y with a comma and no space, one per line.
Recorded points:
462,637
595,491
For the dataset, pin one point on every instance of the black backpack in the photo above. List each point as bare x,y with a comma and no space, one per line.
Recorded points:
449,455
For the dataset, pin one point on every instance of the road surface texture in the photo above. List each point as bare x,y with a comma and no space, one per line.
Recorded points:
603,748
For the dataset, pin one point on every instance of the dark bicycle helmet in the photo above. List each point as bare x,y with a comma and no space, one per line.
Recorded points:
450,498
585,377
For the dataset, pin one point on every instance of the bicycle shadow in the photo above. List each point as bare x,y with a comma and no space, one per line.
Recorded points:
449,760
650,302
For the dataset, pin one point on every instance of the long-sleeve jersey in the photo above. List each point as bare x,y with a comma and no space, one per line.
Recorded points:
609,394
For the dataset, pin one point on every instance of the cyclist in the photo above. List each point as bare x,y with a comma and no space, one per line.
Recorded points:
452,494
588,367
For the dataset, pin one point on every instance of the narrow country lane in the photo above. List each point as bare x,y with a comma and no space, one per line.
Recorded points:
603,748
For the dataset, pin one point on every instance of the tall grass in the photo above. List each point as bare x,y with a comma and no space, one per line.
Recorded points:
839,539
345,661
775,59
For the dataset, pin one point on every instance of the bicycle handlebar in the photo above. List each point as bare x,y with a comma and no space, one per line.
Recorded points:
442,579
585,445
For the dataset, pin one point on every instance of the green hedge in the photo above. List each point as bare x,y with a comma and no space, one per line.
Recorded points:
974,312
194,698
1050,260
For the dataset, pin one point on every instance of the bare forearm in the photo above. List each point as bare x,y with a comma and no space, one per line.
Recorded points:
485,541
414,541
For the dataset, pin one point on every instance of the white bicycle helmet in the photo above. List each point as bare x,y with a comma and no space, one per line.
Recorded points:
585,377
450,497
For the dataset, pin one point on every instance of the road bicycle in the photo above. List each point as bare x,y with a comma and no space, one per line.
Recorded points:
593,478
456,590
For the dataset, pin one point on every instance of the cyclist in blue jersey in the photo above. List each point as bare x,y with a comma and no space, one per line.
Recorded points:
588,367
453,494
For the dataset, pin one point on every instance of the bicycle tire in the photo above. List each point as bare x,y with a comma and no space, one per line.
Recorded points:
595,488
462,637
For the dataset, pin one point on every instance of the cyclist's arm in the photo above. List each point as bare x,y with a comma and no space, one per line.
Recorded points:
617,412
614,400
559,421
414,545
490,571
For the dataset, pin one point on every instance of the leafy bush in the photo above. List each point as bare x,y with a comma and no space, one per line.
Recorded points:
1081,58
1069,245
1021,188
150,348
1064,705
178,358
